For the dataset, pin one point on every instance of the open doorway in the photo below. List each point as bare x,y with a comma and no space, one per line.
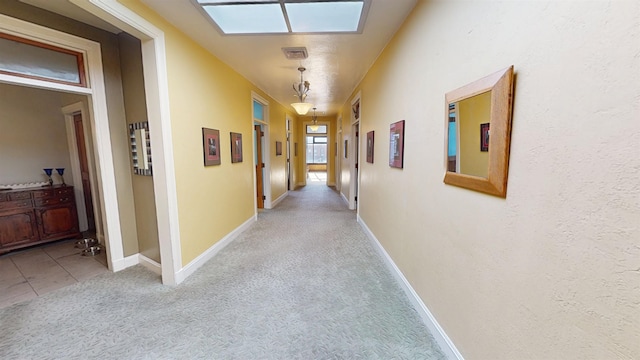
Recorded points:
316,153
355,147
262,164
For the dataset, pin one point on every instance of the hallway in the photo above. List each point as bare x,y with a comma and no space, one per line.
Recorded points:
303,282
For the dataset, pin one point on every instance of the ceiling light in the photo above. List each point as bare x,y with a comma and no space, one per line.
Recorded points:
301,89
314,127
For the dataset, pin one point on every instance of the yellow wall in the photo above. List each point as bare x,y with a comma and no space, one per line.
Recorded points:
473,112
550,272
204,92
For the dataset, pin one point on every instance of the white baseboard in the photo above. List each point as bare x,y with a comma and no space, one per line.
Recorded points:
446,345
150,264
212,251
279,199
344,198
124,263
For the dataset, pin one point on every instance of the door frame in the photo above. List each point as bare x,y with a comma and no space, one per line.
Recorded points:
304,150
288,124
338,155
266,151
159,115
354,182
100,134
69,111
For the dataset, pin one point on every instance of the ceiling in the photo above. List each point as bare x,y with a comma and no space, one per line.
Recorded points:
336,62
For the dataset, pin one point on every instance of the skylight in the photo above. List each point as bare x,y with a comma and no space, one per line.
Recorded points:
286,16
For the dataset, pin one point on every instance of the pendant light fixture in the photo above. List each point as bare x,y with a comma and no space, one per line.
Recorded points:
314,118
301,89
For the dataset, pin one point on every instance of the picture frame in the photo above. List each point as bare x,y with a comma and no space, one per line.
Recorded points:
211,146
396,144
278,148
484,137
236,147
370,138
346,149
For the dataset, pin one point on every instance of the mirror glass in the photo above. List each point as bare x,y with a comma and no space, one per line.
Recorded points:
468,150
140,148
478,133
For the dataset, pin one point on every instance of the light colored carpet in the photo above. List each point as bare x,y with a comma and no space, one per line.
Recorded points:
304,282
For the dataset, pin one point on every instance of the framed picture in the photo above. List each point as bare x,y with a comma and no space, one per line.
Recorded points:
396,144
370,147
211,146
346,147
236,147
484,137
278,148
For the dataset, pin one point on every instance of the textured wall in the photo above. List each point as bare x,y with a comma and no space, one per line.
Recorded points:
550,272
33,135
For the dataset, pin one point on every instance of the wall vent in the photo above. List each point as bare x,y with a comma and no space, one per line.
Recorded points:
295,53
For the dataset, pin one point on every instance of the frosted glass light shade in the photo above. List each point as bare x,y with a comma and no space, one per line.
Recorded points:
302,108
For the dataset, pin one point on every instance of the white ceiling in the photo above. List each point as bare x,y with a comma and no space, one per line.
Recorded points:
336,62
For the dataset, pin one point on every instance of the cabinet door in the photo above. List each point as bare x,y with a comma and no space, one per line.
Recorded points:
17,226
57,222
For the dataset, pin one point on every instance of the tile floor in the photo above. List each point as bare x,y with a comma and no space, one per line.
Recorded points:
319,176
29,273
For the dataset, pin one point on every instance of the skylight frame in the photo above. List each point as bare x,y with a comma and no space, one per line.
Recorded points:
200,5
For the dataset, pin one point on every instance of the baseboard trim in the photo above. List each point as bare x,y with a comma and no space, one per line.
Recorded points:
196,263
446,345
150,264
126,262
279,199
344,198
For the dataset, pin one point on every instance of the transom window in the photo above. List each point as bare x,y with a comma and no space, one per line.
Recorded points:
36,60
286,16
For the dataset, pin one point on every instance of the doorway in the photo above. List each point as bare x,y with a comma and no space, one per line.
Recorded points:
316,152
288,150
355,149
262,178
258,135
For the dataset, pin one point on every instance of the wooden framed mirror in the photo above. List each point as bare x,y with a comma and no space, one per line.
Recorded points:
478,134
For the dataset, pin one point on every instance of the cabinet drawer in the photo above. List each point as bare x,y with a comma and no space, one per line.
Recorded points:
42,193
52,200
64,192
19,196
20,204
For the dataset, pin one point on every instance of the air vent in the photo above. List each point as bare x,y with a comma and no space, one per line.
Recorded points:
295,53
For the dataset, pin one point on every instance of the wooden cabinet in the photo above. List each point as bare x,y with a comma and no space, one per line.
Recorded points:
38,215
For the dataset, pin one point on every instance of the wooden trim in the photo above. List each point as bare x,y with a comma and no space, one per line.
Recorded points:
501,86
79,60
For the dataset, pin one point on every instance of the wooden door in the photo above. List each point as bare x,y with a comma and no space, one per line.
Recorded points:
84,171
259,167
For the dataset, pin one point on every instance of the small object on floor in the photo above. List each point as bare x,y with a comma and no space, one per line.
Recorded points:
91,251
86,242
